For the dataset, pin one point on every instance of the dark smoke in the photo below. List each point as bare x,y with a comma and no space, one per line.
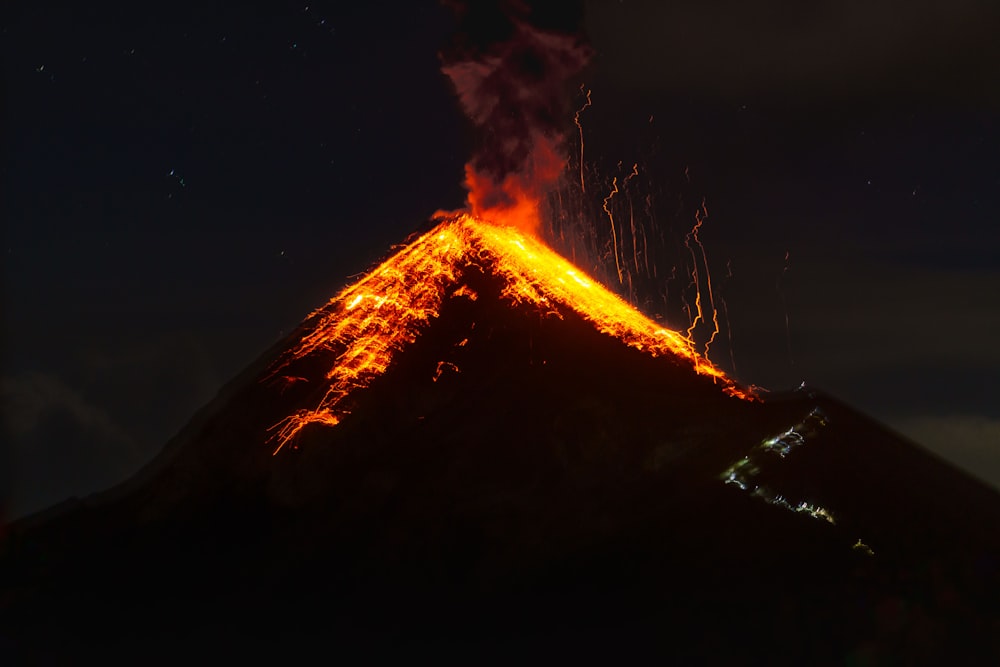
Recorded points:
513,67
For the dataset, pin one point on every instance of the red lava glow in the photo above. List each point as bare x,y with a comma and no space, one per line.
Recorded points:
516,199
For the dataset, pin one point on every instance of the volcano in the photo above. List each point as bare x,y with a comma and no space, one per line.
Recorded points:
477,451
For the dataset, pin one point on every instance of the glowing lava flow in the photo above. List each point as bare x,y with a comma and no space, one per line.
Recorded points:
370,321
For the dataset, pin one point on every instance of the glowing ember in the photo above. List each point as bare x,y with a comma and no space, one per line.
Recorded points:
370,321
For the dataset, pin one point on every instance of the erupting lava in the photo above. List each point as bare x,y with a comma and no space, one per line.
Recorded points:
368,323
512,88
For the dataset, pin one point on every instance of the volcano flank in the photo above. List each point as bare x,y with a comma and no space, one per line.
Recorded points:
476,449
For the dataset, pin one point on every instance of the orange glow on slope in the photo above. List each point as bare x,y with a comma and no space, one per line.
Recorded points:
372,320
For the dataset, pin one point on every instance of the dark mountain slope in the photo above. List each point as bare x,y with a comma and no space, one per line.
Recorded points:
519,481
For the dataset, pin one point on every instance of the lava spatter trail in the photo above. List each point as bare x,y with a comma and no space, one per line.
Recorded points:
692,236
579,127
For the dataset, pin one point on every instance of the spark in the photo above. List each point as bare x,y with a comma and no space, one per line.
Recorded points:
784,306
579,127
289,381
614,234
443,366
645,240
700,216
729,321
631,217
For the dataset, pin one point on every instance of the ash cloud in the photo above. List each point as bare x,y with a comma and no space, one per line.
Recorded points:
513,68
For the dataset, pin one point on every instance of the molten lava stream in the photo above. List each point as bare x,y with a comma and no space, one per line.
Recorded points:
368,323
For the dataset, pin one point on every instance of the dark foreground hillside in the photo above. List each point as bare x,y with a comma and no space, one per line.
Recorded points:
550,492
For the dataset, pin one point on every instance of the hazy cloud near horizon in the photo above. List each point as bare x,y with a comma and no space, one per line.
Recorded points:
826,49
58,442
903,316
31,397
971,442
79,432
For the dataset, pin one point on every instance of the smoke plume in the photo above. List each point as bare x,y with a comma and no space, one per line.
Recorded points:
513,69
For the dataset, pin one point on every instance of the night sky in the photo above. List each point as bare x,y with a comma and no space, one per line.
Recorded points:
182,183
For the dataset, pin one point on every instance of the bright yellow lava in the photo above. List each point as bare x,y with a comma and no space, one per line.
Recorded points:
369,322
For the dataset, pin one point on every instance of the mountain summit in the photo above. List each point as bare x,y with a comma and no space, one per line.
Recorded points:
477,449
367,325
